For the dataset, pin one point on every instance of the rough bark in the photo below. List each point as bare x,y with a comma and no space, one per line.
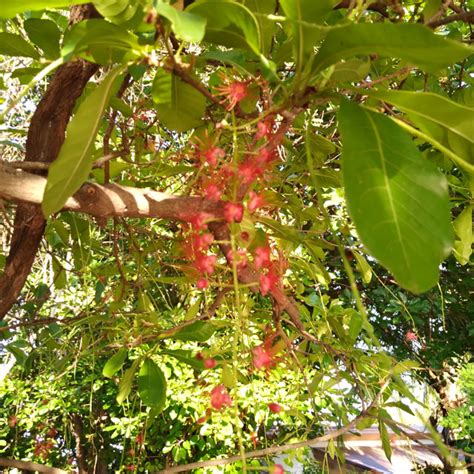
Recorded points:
45,136
28,466
110,200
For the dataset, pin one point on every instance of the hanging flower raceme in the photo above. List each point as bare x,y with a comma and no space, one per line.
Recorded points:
220,397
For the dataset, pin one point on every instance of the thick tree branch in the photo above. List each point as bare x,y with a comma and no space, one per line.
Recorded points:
30,466
110,200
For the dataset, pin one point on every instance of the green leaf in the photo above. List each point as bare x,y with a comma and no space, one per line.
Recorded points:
463,229
363,267
117,11
398,201
353,70
74,162
179,106
302,13
9,8
186,26
185,356
387,448
199,331
413,43
19,355
15,45
101,41
405,366
45,34
152,385
115,363
446,121
261,9
229,24
355,325
125,385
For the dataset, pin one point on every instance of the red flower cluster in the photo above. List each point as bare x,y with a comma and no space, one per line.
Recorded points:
195,249
220,397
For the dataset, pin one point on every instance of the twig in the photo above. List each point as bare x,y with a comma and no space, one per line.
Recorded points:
466,17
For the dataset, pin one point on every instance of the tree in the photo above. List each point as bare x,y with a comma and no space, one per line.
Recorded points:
204,196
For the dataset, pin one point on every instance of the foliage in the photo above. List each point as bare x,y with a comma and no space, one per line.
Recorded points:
258,218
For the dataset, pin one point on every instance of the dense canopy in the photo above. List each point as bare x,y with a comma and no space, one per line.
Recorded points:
233,229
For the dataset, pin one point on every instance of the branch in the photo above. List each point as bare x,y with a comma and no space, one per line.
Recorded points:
259,453
379,7
110,200
30,466
467,17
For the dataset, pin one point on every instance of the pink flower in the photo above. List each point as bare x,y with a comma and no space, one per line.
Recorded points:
248,171
205,263
264,129
233,212
262,257
210,363
255,201
268,282
411,336
202,283
261,358
241,260
275,407
213,154
220,397
233,92
212,192
198,221
265,156
278,469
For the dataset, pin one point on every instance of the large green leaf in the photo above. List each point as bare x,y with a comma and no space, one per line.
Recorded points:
384,436
448,122
261,9
125,384
10,8
117,11
45,34
186,26
100,41
415,44
199,331
15,45
463,229
115,363
179,106
74,162
397,200
302,13
152,385
229,24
